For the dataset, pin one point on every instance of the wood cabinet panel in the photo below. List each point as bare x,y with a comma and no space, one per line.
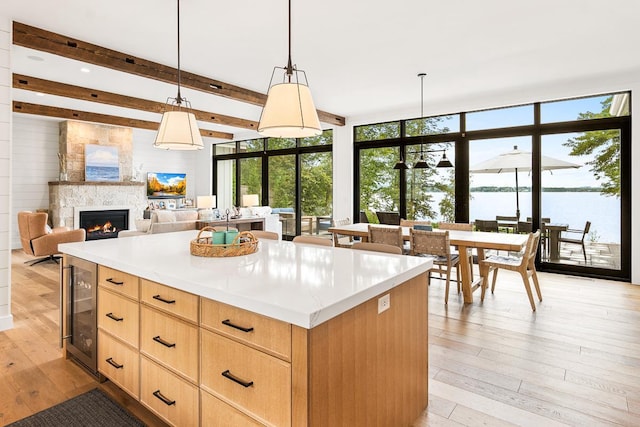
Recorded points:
170,341
174,301
167,395
216,413
266,393
119,316
117,281
264,333
120,363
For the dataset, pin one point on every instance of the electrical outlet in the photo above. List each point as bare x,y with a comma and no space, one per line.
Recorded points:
384,302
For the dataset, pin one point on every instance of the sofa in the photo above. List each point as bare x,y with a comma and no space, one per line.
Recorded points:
163,221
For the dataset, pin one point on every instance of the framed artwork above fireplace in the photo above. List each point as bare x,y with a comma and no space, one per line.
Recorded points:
101,163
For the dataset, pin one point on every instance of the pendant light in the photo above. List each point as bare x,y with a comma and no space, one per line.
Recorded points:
422,163
289,111
178,128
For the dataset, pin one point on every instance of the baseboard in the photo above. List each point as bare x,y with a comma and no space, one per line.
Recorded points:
6,322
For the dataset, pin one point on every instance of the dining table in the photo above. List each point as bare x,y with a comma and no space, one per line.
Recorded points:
464,240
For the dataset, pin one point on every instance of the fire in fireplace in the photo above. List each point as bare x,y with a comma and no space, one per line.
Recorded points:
104,224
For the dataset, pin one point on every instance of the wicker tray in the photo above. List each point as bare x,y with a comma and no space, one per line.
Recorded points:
245,243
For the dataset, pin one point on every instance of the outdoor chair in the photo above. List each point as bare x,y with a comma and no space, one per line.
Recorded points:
507,222
363,217
386,235
341,240
313,240
486,225
377,247
389,218
435,244
41,241
544,235
525,265
576,240
524,227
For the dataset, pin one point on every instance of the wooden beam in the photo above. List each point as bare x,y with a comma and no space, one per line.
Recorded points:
86,94
64,113
57,44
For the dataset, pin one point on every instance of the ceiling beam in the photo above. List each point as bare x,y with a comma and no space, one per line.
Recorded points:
57,44
64,113
86,94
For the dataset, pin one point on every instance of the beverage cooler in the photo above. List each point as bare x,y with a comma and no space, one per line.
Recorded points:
78,320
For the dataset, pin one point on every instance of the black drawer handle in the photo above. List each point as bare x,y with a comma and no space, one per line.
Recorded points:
114,364
115,282
228,323
163,342
164,399
166,301
235,379
114,317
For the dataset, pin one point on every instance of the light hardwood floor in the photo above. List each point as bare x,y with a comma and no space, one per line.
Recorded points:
576,361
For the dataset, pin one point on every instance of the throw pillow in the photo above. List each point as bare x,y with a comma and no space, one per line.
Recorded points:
166,216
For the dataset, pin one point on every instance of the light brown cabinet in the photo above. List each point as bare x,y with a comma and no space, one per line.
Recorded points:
194,361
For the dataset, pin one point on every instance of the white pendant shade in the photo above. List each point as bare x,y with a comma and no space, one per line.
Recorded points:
289,112
178,131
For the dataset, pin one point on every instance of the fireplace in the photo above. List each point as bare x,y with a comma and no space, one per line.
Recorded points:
104,224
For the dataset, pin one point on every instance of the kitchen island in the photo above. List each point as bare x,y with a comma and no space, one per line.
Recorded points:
293,335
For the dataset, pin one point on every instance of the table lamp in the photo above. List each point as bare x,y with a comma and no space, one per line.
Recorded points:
205,205
249,200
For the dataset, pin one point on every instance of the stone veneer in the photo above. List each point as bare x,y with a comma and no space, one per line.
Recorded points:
74,136
66,196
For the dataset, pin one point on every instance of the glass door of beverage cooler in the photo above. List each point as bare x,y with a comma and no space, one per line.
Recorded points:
81,311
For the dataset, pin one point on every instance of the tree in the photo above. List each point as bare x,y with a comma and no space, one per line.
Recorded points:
604,145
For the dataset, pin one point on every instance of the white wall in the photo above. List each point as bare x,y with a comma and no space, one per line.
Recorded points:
6,320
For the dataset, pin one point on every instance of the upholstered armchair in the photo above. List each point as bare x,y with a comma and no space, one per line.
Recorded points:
38,241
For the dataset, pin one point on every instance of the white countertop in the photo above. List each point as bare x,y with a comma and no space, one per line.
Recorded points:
300,284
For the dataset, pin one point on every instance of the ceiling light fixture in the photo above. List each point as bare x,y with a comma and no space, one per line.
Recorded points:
289,111
422,163
85,70
178,128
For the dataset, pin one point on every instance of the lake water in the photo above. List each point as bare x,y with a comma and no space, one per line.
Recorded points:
570,208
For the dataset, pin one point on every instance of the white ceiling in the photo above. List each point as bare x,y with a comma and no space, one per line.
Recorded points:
361,56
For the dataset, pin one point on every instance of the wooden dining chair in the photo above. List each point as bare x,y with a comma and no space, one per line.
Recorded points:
525,265
386,235
435,244
313,240
377,247
341,240
413,222
462,226
578,239
269,235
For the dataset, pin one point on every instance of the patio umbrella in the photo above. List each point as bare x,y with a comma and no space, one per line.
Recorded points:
518,161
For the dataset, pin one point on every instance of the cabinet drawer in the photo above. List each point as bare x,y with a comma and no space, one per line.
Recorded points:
265,333
216,413
119,316
266,392
118,281
174,301
170,341
120,363
169,396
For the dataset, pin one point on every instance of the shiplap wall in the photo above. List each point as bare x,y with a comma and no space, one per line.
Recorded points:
6,320
35,163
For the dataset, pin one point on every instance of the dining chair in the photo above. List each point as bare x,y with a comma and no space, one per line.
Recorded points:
507,222
389,218
462,226
377,247
435,244
413,222
576,240
269,235
387,235
313,240
524,227
341,240
544,235
524,264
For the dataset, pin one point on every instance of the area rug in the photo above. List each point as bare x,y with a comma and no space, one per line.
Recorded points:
90,409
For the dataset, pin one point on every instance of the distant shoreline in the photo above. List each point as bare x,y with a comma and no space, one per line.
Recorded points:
488,189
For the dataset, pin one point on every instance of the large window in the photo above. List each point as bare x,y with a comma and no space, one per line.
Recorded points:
560,166
293,176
